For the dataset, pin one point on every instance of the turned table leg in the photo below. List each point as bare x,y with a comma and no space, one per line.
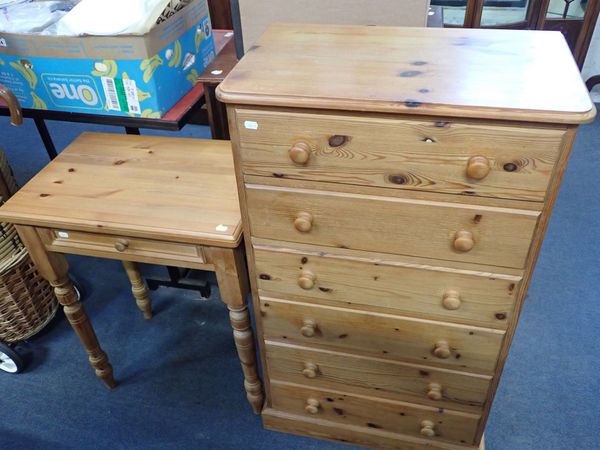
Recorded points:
232,278
138,288
54,268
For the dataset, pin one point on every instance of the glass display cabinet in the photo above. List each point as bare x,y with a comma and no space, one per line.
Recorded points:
574,18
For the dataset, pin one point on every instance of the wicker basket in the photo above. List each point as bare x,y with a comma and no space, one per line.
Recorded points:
27,301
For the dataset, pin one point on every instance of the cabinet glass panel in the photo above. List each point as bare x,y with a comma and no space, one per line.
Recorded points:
497,13
454,11
567,9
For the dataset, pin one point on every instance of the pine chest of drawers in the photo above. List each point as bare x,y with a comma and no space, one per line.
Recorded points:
395,186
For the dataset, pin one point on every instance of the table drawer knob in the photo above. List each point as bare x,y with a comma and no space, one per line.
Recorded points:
309,327
303,222
478,167
442,349
307,279
427,428
463,241
312,406
434,391
300,153
310,370
451,300
121,245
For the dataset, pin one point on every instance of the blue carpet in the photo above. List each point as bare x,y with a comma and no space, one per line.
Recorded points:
181,385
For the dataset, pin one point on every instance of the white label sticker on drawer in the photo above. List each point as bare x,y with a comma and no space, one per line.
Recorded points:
63,234
251,125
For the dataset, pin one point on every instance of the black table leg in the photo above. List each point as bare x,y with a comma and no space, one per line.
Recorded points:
178,278
132,130
46,138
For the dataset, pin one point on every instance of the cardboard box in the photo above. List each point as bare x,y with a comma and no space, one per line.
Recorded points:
257,15
121,75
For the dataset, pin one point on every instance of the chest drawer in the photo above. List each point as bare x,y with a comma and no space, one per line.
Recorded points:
367,412
120,247
382,335
376,377
431,229
471,158
393,285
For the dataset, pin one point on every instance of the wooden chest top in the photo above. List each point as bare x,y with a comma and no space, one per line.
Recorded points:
493,74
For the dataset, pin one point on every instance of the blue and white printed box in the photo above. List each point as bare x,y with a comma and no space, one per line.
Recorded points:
140,76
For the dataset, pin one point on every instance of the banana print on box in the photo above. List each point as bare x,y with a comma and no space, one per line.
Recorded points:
148,113
149,66
174,55
25,69
192,77
38,103
106,68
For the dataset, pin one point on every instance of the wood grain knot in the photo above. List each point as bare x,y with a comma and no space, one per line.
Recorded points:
424,90
501,316
264,276
44,195
510,167
71,169
412,103
419,63
118,162
397,179
338,140
410,73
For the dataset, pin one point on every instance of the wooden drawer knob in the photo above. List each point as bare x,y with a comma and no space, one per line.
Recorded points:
121,245
451,300
303,222
308,328
478,167
463,241
300,153
307,279
427,428
442,350
310,370
434,391
312,406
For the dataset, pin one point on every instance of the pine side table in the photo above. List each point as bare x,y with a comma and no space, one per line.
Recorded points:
139,199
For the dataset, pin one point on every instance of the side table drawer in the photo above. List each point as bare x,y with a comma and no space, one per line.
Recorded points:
377,377
382,335
391,284
122,247
431,229
363,411
490,160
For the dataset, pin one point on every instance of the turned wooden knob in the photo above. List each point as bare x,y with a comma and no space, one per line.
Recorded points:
310,370
442,350
121,245
303,222
308,328
300,153
451,300
306,280
463,241
434,391
478,167
312,406
427,428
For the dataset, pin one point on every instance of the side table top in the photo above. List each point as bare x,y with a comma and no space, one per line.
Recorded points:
478,73
171,189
